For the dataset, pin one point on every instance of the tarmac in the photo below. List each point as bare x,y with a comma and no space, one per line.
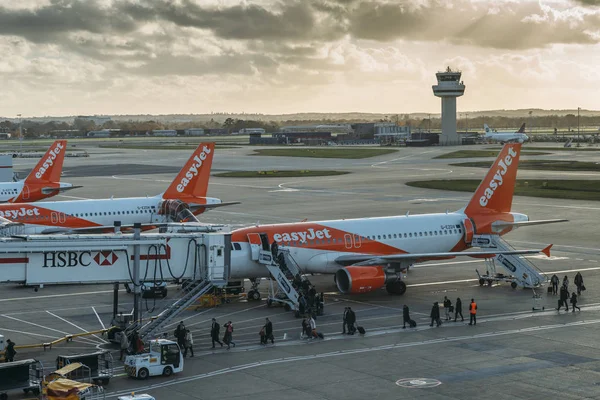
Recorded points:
513,351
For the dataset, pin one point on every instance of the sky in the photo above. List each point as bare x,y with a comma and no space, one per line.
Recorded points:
79,57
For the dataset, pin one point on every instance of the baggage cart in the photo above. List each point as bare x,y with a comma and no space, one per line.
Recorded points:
25,374
100,364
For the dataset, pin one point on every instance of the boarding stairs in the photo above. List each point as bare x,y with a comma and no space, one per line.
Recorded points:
286,294
521,270
188,295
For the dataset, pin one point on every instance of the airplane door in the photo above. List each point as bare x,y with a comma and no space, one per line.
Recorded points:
468,225
255,245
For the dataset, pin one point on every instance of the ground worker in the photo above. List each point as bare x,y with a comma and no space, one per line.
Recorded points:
473,312
10,352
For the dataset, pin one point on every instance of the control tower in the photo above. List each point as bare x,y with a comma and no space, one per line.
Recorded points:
449,87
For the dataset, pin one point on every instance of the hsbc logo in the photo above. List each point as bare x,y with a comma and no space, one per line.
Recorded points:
106,258
70,259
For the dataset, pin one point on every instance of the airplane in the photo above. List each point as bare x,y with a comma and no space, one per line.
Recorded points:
42,182
506,136
367,254
183,199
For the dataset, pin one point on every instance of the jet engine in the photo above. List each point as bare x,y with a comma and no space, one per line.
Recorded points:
363,279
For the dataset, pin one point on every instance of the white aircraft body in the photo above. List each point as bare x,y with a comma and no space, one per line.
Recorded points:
506,136
366,254
185,196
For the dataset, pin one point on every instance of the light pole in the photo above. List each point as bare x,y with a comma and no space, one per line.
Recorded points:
467,122
578,108
20,133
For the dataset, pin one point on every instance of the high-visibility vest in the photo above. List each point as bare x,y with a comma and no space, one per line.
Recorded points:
473,308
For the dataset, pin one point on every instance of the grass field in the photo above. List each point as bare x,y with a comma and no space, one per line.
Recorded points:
277,174
554,189
486,153
159,147
542,165
352,153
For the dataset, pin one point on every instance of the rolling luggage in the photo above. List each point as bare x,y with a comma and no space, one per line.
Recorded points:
320,335
412,323
361,330
550,289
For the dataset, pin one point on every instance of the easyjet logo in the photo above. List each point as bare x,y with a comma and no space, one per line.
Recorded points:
302,236
52,154
21,212
497,179
193,170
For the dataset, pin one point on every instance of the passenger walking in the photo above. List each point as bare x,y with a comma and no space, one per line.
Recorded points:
405,316
189,343
228,337
350,320
180,335
214,333
554,280
458,309
435,314
565,283
345,320
447,307
306,331
574,302
124,344
313,327
564,296
10,352
268,332
473,312
579,283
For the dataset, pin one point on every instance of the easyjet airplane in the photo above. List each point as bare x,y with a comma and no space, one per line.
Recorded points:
185,196
42,182
367,254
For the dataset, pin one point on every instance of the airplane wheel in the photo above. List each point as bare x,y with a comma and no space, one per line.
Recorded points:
513,285
250,295
256,295
397,287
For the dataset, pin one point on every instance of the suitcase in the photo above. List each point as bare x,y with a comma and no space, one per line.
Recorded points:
361,330
320,335
549,289
451,309
412,323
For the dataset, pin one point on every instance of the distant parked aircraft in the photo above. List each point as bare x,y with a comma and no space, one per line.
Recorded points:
506,136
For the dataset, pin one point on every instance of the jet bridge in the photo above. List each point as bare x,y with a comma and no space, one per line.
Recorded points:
72,259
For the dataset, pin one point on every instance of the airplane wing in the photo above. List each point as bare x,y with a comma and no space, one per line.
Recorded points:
48,190
505,224
196,207
367,259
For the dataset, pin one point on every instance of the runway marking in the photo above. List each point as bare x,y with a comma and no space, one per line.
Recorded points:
97,316
47,328
78,327
31,334
377,164
339,353
49,296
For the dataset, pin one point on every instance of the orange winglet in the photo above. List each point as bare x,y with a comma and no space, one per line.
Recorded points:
546,250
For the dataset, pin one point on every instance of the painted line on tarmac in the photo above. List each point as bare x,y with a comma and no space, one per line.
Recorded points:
76,326
50,296
99,319
48,328
340,353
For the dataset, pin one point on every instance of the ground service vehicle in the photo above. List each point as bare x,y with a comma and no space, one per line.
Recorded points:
24,374
164,358
100,364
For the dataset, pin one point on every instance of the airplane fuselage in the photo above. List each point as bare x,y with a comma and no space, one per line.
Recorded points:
315,246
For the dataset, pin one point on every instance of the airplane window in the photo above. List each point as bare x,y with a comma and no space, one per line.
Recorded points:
415,234
425,233
455,231
430,234
394,236
420,233
445,232
379,237
410,234
435,232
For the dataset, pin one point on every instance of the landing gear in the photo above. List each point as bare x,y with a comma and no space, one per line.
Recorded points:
398,287
253,293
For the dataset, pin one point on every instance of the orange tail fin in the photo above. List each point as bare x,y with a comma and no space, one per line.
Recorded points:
49,168
495,193
192,180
